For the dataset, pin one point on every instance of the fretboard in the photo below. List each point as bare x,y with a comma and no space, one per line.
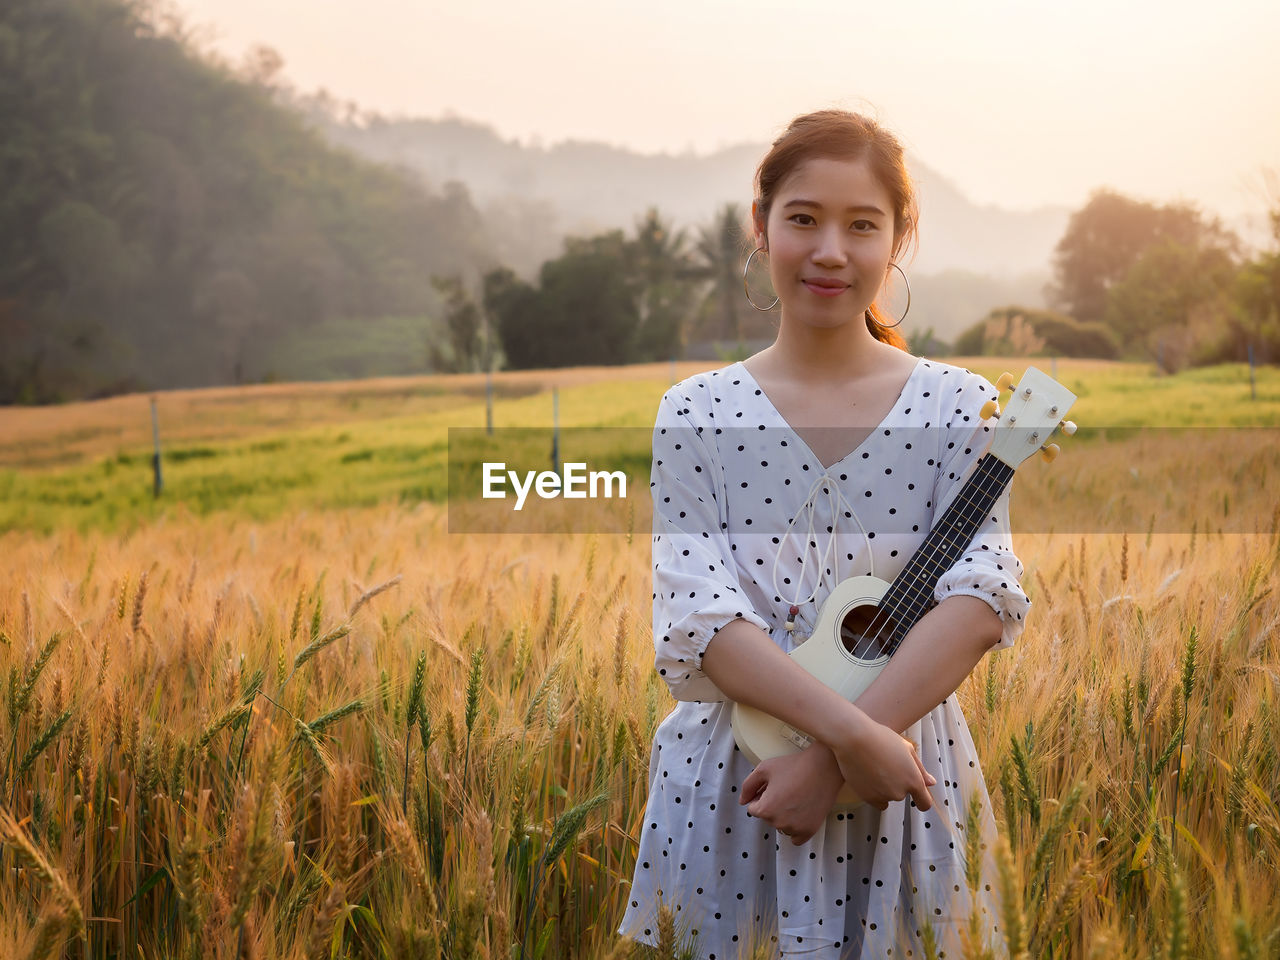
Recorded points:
910,595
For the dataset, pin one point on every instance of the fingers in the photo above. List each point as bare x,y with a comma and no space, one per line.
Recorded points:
929,778
922,796
753,786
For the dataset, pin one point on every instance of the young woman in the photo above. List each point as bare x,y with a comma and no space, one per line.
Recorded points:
824,456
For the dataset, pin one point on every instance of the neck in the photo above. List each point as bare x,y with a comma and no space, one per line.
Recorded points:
828,353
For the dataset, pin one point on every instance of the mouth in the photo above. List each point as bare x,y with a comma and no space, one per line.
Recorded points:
825,287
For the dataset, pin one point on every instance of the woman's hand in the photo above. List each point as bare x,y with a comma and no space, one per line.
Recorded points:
882,766
793,793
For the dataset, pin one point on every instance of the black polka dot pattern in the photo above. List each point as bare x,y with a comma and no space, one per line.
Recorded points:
728,473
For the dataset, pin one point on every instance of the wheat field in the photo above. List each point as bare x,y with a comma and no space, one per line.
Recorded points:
345,732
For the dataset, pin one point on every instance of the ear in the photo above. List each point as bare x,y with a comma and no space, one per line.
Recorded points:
758,226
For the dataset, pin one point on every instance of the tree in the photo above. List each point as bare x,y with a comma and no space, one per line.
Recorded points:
721,250
462,319
1011,336
165,222
664,279
1254,319
606,299
1171,300
512,307
583,310
1106,237
588,304
1026,331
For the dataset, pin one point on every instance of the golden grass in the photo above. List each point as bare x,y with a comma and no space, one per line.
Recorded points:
350,733
231,779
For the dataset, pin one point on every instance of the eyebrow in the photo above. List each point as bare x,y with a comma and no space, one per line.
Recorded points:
863,208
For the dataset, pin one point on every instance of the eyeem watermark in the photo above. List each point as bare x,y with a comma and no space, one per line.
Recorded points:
574,483
1135,480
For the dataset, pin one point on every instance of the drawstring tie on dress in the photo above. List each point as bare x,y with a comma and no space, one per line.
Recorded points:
826,489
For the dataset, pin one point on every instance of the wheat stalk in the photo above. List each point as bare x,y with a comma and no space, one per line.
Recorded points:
39,864
1010,901
139,599
620,649
371,593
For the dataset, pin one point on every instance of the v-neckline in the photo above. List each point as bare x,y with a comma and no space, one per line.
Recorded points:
804,443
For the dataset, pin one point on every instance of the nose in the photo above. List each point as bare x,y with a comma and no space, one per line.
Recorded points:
829,251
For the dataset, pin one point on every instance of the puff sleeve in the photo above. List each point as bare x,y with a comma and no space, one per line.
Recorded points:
988,569
695,588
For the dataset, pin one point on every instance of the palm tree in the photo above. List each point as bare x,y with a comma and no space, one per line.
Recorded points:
721,250
663,275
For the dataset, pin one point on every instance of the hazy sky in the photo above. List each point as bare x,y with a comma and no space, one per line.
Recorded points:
1018,103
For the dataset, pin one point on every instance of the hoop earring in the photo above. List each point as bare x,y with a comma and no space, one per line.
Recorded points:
890,326
747,290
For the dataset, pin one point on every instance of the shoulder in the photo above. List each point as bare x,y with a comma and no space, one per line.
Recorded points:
950,396
695,398
948,380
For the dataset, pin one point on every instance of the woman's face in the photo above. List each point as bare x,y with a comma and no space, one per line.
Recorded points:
829,237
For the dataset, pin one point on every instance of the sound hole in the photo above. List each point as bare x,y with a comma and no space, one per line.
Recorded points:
867,633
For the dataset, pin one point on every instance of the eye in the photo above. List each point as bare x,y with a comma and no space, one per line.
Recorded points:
801,219
864,225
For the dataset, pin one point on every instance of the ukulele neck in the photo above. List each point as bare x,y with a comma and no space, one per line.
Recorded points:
910,595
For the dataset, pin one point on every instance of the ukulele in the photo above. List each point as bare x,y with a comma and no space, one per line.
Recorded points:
864,619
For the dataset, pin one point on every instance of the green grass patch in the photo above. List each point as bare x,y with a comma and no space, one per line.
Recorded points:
405,458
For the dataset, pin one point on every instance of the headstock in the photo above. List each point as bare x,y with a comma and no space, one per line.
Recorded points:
1035,410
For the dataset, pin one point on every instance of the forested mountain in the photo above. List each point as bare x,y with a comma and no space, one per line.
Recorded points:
163,222
535,195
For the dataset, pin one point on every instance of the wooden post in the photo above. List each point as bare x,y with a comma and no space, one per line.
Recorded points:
555,429
488,373
155,459
488,401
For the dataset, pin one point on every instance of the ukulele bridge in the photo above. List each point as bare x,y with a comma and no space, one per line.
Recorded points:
791,734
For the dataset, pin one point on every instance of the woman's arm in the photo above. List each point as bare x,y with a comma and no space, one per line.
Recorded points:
933,660
751,669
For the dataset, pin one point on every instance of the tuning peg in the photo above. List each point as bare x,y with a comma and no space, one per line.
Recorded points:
1068,427
1005,382
1050,452
989,409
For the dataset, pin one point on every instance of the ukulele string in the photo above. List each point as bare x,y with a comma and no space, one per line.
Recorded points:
988,487
942,540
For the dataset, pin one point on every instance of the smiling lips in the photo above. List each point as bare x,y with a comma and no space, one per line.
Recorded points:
825,286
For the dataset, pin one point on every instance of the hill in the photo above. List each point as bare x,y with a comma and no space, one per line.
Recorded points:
581,187
163,222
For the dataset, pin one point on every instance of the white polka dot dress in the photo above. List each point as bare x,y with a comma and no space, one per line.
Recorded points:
746,521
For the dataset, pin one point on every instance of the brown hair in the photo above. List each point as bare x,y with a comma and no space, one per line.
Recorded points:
839,134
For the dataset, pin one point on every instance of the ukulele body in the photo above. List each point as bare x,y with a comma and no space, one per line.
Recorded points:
846,651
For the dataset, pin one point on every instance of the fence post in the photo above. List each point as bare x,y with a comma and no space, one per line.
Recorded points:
155,458
488,400
555,429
